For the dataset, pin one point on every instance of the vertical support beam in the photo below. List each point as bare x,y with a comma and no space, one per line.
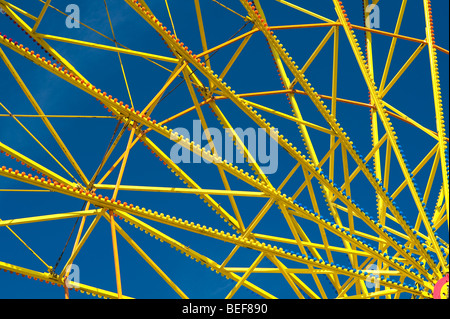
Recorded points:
440,121
334,95
202,35
111,214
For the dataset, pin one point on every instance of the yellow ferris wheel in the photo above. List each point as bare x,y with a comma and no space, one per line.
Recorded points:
288,180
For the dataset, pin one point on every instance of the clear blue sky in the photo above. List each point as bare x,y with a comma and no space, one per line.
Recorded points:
254,71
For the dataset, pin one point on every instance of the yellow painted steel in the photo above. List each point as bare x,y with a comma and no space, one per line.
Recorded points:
41,16
317,257
107,48
440,123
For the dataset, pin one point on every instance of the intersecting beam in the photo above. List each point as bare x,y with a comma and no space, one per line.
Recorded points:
40,168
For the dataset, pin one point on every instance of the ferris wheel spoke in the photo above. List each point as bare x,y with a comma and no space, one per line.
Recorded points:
107,48
190,182
45,218
202,35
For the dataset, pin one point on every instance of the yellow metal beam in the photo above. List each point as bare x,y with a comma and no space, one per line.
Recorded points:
229,9
403,116
41,42
60,116
288,277
317,50
390,34
201,28
233,58
291,118
292,225
27,246
416,170
151,105
107,48
111,213
439,112
41,16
